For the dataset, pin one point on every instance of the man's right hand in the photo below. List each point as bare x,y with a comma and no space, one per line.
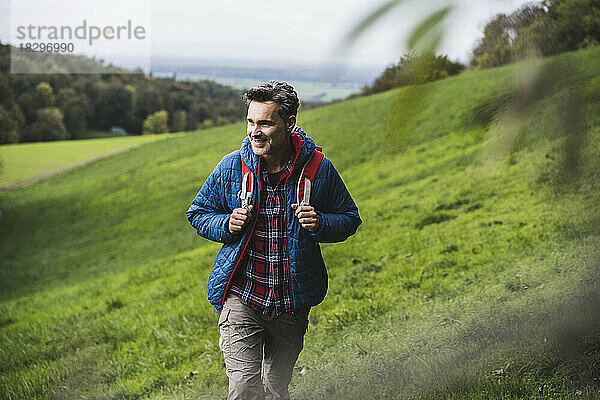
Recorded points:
239,218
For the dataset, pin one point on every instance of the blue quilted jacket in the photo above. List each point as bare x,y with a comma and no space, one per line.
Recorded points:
213,205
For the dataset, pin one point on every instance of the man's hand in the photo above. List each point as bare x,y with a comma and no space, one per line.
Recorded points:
239,218
307,216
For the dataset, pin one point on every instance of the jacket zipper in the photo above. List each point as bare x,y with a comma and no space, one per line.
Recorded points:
286,228
247,240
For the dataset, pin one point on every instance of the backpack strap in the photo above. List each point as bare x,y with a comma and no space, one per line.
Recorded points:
247,190
308,175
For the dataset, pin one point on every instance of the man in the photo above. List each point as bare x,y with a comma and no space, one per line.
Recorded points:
269,271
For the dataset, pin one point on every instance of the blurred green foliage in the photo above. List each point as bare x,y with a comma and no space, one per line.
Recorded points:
414,68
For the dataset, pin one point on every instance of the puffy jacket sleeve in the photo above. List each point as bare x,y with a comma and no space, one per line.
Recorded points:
208,212
339,219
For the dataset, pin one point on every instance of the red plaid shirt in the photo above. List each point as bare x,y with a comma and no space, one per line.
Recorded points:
263,279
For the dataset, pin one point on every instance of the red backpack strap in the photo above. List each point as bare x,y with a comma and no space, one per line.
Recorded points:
246,192
308,175
312,166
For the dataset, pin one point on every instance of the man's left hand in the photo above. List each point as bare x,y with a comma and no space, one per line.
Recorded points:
307,217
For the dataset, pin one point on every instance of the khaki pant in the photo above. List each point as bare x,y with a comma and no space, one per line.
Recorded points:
260,351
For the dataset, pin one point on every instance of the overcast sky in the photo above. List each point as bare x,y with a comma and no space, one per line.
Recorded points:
259,32
310,29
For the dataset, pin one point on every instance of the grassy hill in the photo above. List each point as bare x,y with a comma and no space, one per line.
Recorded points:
473,275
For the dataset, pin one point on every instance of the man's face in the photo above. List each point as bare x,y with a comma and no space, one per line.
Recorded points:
267,131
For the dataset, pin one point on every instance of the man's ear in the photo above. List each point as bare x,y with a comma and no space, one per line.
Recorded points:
291,122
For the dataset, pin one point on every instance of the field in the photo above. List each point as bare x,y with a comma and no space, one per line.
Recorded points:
473,276
19,162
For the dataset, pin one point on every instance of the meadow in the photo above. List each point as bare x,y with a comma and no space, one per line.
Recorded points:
473,276
19,162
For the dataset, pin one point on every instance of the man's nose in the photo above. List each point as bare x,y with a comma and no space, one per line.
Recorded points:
254,131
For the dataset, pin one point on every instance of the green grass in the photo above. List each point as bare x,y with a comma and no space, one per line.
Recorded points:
19,162
469,262
97,134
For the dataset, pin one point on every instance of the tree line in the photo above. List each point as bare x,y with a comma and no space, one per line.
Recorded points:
41,107
535,30
538,29
414,68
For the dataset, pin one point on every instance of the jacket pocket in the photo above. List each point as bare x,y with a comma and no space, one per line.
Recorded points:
224,316
224,333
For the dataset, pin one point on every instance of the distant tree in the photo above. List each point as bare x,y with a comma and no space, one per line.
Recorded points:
206,124
74,107
43,96
508,38
536,39
495,47
6,94
198,113
114,104
415,68
179,97
179,121
148,100
552,27
18,120
427,67
60,81
576,23
8,131
48,126
156,123
128,119
27,106
221,120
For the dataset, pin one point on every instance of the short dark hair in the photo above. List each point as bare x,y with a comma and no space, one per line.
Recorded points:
281,93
